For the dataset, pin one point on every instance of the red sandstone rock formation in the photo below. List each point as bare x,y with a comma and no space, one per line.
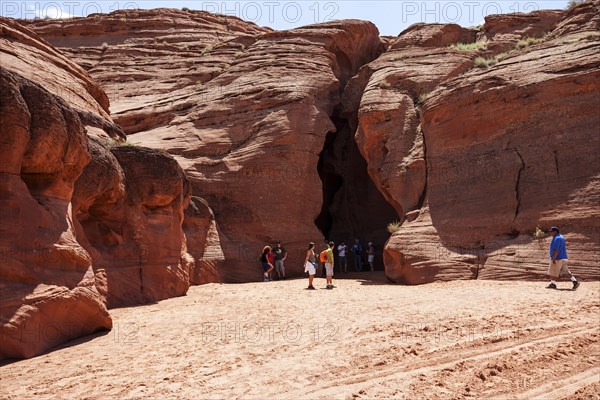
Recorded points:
33,58
503,32
129,205
150,61
245,111
507,149
386,96
451,135
202,236
50,292
82,226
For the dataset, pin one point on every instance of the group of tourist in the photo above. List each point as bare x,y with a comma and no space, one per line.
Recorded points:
357,254
272,259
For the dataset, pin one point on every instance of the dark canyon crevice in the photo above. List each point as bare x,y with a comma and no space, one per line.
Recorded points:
352,207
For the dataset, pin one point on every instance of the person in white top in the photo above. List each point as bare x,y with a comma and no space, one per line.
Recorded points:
342,249
371,258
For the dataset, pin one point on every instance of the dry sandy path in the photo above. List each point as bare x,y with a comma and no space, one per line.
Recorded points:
364,339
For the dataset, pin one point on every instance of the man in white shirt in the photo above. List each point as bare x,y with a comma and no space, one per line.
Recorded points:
342,249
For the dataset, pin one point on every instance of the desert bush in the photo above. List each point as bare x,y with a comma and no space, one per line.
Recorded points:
529,41
481,62
117,143
590,36
104,47
393,226
384,85
480,44
501,56
539,233
185,9
422,98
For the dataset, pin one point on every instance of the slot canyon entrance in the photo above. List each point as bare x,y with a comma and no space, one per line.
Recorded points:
353,207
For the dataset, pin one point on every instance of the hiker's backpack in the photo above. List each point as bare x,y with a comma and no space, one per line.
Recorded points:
323,256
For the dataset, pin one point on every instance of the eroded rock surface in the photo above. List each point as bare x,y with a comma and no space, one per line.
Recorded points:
87,220
50,292
203,244
508,147
129,203
245,110
457,138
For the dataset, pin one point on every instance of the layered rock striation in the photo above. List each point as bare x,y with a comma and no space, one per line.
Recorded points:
89,222
261,119
480,136
245,110
50,292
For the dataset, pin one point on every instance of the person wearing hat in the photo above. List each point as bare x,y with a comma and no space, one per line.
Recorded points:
558,259
329,265
280,256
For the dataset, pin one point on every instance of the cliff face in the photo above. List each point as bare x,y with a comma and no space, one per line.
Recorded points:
480,145
450,121
87,222
252,116
50,292
129,204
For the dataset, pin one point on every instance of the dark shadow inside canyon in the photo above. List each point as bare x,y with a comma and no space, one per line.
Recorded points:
352,207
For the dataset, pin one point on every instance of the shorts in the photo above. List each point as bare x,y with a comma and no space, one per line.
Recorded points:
279,267
555,269
329,269
310,268
266,267
371,258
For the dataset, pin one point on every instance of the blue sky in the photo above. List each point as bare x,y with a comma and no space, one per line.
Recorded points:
390,16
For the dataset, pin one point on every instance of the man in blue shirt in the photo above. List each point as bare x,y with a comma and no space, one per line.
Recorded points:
558,259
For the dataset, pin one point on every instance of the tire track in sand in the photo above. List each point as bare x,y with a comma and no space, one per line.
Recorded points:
475,352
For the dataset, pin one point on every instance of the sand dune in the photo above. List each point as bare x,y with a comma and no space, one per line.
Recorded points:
364,339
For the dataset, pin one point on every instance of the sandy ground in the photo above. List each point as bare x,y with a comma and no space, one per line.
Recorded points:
364,339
